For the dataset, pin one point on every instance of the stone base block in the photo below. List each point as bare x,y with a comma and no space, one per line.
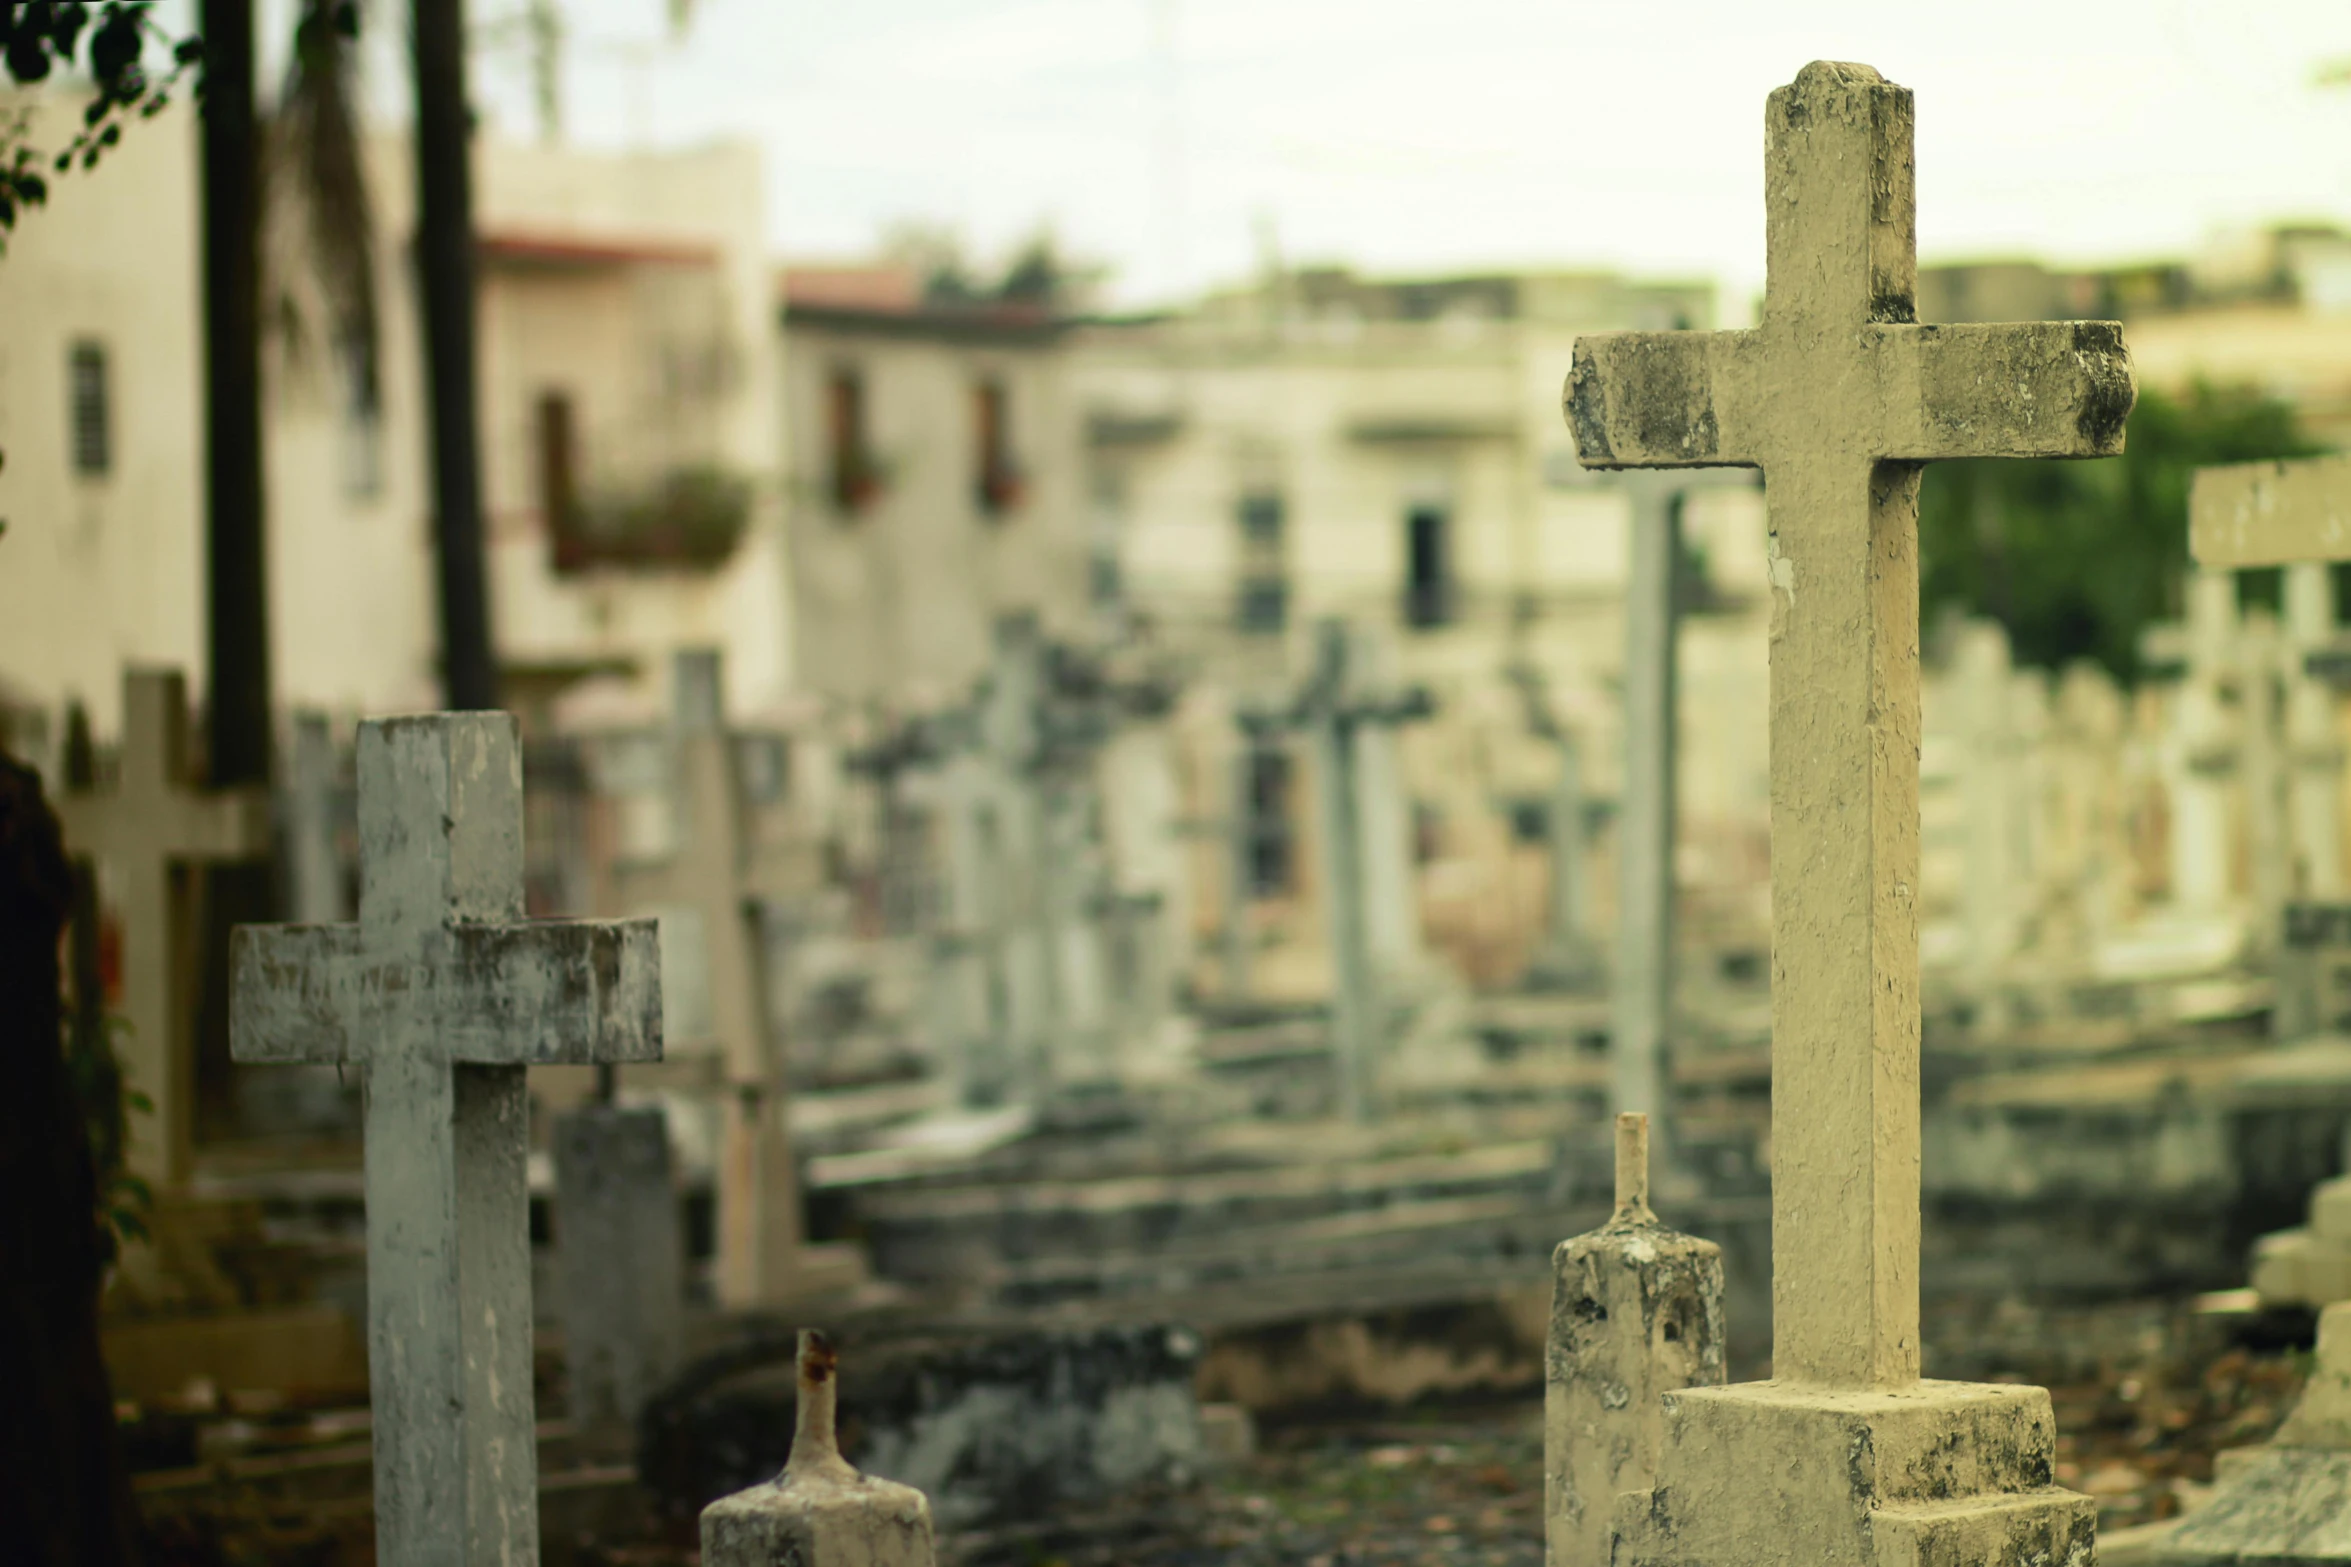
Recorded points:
2287,1507
2301,1268
1938,1474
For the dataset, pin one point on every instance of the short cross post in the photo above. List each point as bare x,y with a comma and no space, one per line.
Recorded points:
1839,396
151,825
715,875
443,994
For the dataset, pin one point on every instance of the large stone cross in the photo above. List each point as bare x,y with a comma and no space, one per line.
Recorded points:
718,873
443,994
1838,396
150,825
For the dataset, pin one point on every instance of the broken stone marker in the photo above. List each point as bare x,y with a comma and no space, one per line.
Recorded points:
2290,1504
444,995
623,1261
1847,1458
820,1512
1636,1313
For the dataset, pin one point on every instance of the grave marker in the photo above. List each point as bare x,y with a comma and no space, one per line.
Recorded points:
443,994
718,876
1840,397
142,833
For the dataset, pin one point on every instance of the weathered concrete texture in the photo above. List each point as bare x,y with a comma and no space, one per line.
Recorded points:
1936,1474
443,993
2289,1505
1636,1312
623,1260
1840,397
2271,513
992,1427
1837,396
820,1512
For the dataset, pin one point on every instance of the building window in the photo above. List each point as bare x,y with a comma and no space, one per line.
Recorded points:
1271,860
1105,574
1428,567
1264,577
90,400
997,481
559,478
855,479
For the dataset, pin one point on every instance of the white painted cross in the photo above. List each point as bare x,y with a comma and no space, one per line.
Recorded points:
1838,396
719,876
444,994
152,824
2297,514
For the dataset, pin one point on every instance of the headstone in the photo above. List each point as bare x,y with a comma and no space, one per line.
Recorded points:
1636,1313
2295,514
2314,972
2290,1504
1839,398
717,878
443,995
820,1512
1338,706
1989,902
623,1320
151,827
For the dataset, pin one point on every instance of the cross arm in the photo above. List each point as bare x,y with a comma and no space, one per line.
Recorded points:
2036,389
2271,513
1660,400
531,993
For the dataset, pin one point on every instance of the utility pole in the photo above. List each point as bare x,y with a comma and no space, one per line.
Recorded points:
445,264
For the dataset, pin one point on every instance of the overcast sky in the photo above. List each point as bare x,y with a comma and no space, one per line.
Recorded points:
1173,139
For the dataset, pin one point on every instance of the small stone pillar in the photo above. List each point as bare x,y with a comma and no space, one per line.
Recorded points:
819,1512
1636,1312
623,1259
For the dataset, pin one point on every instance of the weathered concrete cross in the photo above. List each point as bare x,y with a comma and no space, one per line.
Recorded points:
2295,514
148,827
1839,396
444,994
718,873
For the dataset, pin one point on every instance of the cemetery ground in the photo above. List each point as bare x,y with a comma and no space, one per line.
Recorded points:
2148,1395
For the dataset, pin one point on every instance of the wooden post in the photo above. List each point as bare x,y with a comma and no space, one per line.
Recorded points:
444,995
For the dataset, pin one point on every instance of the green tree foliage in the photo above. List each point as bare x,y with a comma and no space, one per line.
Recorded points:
2075,558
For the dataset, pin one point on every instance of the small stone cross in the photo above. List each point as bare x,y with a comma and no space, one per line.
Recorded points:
150,825
2295,514
717,872
1839,396
443,993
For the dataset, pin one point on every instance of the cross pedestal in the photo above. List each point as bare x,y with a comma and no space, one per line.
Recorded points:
1839,397
717,878
444,995
143,833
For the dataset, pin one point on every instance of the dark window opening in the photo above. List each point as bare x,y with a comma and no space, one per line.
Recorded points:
2262,587
855,479
363,419
1271,854
1428,567
559,479
999,483
1264,578
91,406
